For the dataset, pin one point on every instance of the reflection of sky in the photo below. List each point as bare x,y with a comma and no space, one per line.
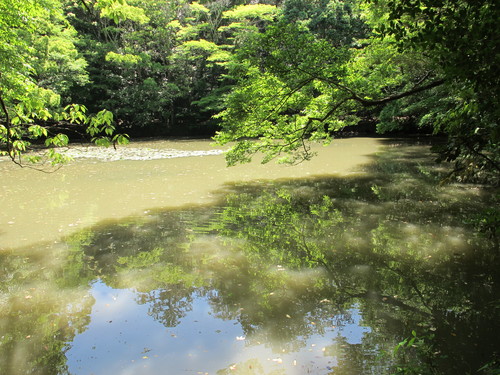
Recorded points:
353,332
123,339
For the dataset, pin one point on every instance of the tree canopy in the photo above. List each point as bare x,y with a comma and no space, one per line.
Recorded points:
267,75
422,64
39,65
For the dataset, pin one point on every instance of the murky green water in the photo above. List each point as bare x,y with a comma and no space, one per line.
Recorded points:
322,268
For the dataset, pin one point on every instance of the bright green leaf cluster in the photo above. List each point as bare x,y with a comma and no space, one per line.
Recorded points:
252,12
123,59
119,11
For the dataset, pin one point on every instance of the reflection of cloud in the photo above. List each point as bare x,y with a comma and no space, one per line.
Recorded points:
136,367
121,329
110,303
353,331
318,355
311,359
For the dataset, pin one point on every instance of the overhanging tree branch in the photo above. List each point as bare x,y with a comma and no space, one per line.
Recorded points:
369,102
391,98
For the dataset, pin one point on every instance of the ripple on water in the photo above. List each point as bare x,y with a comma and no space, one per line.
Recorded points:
131,153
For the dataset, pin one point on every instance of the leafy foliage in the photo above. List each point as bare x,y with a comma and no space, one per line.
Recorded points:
458,36
393,75
339,22
286,100
37,38
275,75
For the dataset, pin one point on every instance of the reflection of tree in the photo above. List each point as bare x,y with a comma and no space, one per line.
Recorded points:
168,306
150,256
273,305
45,295
355,358
287,263
134,238
39,313
396,243
275,228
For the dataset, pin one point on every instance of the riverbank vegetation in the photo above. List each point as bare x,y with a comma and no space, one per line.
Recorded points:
278,71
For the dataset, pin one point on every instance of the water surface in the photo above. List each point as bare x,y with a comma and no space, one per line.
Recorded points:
181,266
39,206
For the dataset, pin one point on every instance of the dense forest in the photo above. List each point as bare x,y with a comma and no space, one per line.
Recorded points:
264,74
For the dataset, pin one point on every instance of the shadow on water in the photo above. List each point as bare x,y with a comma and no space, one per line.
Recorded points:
389,250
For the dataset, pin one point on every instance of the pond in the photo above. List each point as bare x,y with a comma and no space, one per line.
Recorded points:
357,262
